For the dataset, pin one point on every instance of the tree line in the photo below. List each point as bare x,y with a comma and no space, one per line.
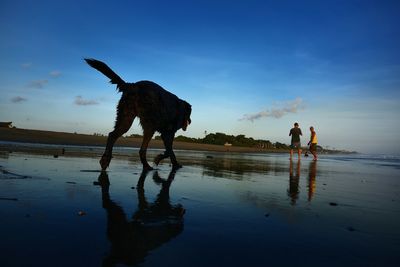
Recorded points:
239,140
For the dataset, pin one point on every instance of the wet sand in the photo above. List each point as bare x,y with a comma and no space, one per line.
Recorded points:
220,209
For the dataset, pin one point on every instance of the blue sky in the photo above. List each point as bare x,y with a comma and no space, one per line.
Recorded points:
247,67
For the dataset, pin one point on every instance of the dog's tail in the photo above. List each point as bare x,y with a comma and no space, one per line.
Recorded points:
103,68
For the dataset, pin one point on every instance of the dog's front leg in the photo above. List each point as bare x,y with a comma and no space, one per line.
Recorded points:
168,140
160,157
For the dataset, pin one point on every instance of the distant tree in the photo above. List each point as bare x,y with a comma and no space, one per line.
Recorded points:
135,136
182,138
281,146
221,138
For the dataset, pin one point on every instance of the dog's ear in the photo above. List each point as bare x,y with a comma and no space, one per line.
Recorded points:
185,111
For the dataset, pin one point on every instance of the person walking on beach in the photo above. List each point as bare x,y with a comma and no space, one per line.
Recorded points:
313,142
295,132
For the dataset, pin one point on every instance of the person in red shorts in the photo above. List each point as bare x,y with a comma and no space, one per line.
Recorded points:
313,142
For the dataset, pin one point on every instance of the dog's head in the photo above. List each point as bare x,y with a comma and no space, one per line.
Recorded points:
186,111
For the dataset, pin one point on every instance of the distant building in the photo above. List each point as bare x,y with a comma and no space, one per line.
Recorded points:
6,125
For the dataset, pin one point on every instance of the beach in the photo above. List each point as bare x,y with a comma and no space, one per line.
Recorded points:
220,209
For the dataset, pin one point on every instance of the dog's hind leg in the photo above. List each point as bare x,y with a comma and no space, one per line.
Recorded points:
122,125
147,135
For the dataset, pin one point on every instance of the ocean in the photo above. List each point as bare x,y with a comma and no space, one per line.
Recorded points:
220,209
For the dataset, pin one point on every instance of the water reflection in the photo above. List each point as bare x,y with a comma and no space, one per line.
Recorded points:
4,154
235,167
228,165
293,190
152,225
312,173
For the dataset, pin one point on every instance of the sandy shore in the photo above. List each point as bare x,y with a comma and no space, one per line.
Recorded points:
220,209
61,138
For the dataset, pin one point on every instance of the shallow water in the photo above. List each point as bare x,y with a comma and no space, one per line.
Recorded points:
219,210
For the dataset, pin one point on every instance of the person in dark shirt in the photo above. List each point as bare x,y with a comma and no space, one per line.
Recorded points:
295,132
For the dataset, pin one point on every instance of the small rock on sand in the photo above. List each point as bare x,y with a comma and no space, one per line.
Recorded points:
9,198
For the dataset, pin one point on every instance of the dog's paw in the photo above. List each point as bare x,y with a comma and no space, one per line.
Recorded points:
104,162
176,166
158,159
147,167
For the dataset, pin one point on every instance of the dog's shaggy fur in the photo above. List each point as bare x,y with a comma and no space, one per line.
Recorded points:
157,109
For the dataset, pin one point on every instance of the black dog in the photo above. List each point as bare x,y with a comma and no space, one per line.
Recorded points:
157,109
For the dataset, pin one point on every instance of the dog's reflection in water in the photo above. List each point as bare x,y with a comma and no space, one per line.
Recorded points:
152,225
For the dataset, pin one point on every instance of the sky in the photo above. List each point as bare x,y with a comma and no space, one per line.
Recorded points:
246,67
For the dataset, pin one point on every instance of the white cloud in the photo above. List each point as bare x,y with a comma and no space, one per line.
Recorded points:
26,65
18,99
84,102
277,112
55,73
38,84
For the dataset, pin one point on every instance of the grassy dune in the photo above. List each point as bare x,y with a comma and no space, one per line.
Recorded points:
62,138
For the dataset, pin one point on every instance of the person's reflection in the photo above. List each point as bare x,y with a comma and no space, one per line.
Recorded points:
312,172
152,225
293,190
